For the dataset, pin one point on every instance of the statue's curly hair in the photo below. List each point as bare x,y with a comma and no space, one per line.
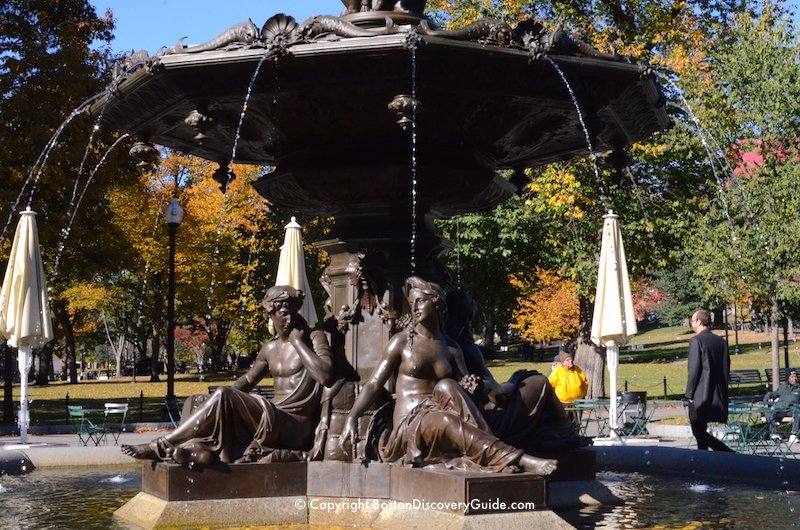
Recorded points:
283,293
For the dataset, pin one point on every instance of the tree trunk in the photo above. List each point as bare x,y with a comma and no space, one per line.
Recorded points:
8,384
719,316
45,365
158,311
776,353
588,357
62,316
218,333
488,331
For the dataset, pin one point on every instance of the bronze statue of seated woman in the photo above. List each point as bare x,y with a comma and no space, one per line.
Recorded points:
435,422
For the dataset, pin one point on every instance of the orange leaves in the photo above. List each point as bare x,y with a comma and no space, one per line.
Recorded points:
547,309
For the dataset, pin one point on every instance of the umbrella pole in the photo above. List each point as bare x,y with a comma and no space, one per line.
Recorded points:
612,356
24,360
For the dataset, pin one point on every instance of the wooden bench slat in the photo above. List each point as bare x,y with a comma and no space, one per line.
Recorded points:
783,371
745,377
736,378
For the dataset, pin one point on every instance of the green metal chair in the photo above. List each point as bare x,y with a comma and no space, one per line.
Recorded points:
115,415
593,416
86,429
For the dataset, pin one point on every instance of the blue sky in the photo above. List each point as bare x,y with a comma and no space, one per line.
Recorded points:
150,24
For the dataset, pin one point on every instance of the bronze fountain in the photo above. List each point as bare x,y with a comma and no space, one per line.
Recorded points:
368,117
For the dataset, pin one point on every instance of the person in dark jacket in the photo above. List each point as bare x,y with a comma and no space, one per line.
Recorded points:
707,385
784,402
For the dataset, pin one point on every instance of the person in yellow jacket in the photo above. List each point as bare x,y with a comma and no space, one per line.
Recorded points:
568,380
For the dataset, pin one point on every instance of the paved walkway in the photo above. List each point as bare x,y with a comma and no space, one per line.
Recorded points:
668,448
60,450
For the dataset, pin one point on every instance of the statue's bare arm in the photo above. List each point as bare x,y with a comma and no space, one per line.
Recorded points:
388,365
315,353
256,373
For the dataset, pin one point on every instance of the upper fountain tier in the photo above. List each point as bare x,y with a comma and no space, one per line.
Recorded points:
333,105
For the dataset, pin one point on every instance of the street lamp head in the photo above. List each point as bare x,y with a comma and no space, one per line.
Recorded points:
173,213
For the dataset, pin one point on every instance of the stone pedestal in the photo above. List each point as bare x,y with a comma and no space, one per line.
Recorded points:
338,493
349,480
469,493
172,482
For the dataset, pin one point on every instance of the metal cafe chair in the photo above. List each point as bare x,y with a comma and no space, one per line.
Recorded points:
86,429
115,414
592,417
634,415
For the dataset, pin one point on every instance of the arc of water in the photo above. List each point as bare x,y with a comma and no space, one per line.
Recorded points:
715,157
38,167
706,139
237,136
71,214
603,198
458,251
246,282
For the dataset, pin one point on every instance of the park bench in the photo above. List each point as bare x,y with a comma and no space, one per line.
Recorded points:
737,378
267,391
784,374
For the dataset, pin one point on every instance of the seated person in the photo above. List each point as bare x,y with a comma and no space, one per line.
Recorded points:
784,402
435,422
524,411
233,424
568,380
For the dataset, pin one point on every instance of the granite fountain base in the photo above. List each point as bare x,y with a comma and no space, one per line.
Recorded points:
373,494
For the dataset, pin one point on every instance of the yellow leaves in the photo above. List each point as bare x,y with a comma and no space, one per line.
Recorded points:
650,150
83,300
558,190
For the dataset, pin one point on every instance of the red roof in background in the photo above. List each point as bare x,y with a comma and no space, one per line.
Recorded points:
748,162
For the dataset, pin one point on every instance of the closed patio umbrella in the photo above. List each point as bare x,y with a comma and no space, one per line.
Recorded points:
614,321
292,270
24,306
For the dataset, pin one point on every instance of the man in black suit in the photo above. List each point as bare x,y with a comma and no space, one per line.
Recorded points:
707,386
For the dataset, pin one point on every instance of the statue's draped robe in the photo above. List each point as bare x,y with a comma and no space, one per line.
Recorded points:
419,438
238,423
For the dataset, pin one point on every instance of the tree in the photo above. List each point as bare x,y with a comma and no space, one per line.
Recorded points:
47,67
548,308
489,248
754,221
682,294
656,188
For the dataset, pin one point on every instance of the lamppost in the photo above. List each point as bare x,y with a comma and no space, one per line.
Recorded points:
173,214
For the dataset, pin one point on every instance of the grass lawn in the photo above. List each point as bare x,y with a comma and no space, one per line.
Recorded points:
644,371
145,399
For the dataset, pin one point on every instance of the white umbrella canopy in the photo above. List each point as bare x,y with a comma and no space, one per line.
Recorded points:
614,320
24,306
292,270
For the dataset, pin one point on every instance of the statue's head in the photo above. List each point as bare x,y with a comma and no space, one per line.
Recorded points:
417,287
283,296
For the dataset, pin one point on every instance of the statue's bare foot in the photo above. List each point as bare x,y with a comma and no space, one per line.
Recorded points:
192,455
538,466
148,451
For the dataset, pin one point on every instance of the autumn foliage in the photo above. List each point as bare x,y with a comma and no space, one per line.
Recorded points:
548,308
